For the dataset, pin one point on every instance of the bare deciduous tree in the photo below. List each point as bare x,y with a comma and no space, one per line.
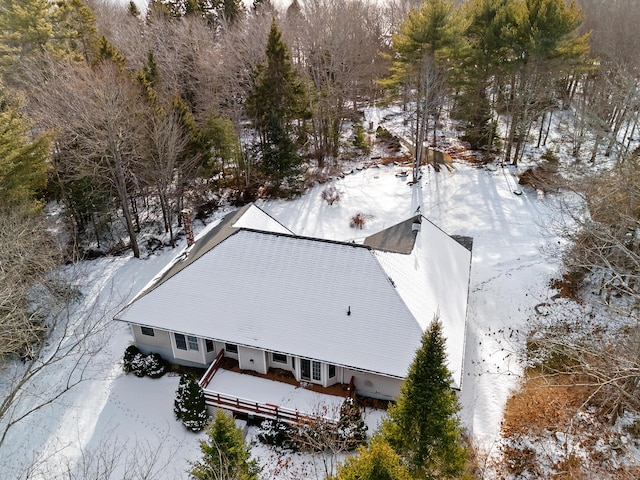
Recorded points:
98,115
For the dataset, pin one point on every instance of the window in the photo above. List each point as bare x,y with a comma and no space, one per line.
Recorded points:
231,348
181,342
316,371
186,343
332,371
279,358
209,345
147,331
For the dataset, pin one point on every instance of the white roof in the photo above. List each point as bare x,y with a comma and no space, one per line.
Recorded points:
290,294
258,219
434,280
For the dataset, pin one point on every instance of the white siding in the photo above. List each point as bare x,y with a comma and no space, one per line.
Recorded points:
252,359
374,386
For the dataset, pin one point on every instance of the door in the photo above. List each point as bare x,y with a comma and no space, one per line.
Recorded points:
305,369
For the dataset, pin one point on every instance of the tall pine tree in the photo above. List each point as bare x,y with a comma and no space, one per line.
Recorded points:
224,454
377,461
422,425
274,102
23,158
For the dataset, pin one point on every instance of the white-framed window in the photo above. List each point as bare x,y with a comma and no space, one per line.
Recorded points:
332,371
186,342
279,358
147,331
231,347
181,341
315,368
209,345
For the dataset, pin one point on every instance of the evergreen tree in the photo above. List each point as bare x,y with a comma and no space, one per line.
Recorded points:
351,427
378,461
76,30
229,11
224,454
189,405
274,102
23,159
420,50
25,29
422,425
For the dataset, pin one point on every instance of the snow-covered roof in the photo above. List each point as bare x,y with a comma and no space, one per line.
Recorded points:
336,302
433,280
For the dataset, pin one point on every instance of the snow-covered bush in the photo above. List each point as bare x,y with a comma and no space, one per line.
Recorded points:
140,365
278,434
189,406
131,358
155,366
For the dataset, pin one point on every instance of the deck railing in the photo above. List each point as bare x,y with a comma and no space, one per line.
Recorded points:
263,410
211,371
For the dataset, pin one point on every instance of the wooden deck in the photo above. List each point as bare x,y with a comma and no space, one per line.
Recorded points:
264,410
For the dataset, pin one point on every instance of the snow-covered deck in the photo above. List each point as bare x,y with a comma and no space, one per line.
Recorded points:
252,395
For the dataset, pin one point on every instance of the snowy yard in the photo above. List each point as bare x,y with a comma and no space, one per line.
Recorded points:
510,274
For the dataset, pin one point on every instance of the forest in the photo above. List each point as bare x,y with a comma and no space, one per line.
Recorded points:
123,117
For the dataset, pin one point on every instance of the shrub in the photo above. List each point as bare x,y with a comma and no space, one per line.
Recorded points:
130,355
278,434
358,220
360,138
331,195
189,406
140,365
155,366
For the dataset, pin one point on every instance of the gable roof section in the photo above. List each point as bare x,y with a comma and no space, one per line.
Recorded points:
248,216
288,294
434,280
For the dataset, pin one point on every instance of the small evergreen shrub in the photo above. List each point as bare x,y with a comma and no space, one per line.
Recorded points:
189,406
278,434
130,355
140,365
351,427
155,366
360,138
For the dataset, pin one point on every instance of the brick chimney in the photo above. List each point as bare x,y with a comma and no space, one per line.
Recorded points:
188,226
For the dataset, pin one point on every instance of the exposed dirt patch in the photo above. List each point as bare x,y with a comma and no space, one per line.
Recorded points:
568,286
543,403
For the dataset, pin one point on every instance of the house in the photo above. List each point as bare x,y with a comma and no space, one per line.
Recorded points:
329,312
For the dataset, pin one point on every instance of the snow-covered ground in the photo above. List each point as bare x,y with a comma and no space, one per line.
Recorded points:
113,412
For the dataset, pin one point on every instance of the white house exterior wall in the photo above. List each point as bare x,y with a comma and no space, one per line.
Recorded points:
158,343
374,386
163,342
252,359
284,366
